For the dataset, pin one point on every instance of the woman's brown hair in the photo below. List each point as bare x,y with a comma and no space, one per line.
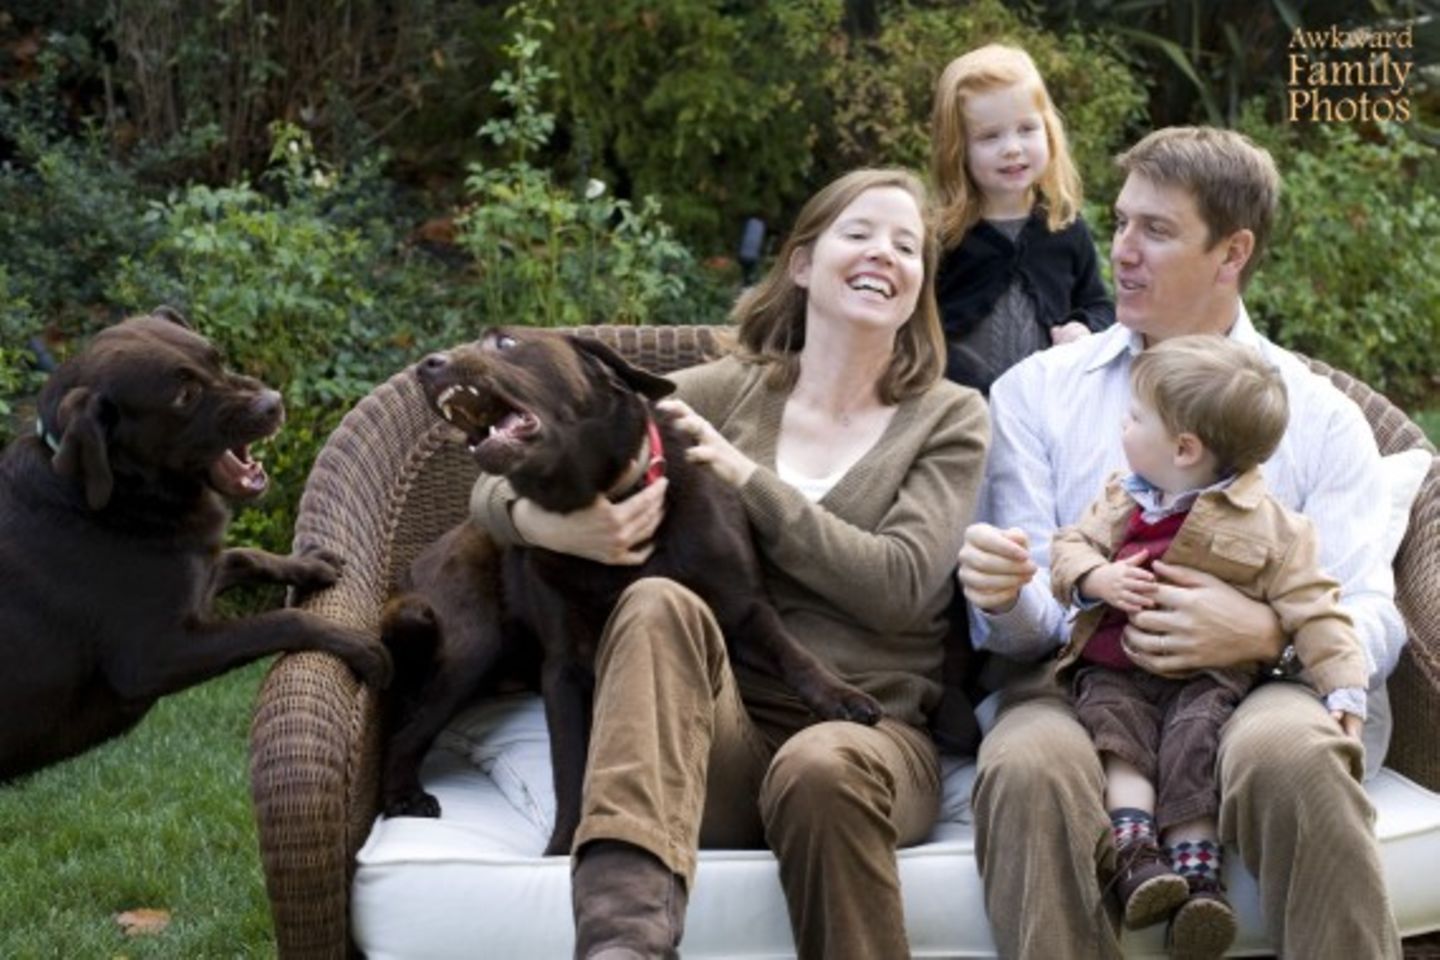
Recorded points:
770,316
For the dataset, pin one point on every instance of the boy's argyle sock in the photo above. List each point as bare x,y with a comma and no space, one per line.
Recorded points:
1132,826
1196,858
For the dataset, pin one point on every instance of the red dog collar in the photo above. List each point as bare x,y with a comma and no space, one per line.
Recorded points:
654,466
656,469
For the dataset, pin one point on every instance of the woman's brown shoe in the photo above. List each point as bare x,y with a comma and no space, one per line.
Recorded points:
628,905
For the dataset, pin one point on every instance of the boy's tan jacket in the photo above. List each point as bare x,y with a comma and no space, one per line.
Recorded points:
1248,539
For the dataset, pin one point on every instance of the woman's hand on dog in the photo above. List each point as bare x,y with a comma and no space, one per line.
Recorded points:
710,448
617,534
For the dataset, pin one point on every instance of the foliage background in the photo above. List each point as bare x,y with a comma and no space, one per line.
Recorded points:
330,190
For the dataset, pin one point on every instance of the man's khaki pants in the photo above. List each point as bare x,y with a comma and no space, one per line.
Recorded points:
676,761
1291,802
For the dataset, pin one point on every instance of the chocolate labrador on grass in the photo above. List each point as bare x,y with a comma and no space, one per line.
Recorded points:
567,420
111,526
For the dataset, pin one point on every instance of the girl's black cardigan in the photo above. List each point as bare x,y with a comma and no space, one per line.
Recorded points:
1059,271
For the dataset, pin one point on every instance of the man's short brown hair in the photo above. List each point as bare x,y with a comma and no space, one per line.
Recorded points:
1223,392
1233,180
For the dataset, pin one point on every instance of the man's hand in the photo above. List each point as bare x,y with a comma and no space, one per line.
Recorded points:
1351,724
1068,332
994,565
710,448
1124,584
1200,622
619,534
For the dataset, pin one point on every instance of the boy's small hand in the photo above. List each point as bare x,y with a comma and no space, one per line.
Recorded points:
1068,332
1351,724
1124,584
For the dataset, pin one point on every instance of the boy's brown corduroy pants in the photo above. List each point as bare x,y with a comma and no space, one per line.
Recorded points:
677,761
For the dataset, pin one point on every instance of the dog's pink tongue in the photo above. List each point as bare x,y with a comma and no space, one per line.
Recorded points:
511,422
238,478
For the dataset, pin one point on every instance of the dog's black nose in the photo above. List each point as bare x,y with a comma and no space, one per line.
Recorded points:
432,367
269,403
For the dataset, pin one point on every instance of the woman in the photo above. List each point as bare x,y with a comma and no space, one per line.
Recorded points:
858,467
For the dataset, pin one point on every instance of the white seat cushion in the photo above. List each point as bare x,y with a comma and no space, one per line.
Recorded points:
473,883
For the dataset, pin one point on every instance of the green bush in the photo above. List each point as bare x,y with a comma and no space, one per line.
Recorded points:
68,210
550,255
18,377
711,107
301,291
1351,274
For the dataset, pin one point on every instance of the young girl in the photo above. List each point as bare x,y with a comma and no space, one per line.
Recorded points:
1019,270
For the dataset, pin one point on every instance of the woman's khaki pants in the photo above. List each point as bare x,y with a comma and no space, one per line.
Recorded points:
676,761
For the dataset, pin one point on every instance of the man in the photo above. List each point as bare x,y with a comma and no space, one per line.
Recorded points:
1191,221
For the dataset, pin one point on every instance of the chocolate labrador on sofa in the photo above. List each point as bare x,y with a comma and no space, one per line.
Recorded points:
111,525
567,420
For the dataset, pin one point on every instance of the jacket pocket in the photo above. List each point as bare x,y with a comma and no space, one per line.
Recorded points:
1237,560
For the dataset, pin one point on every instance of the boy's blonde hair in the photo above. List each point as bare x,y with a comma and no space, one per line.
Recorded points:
770,316
1223,392
1233,180
981,71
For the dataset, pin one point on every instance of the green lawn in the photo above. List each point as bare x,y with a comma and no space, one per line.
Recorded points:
158,819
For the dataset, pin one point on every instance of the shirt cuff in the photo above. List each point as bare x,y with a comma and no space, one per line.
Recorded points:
1020,632
491,500
1347,700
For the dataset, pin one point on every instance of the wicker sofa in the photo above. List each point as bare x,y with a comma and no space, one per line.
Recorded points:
388,481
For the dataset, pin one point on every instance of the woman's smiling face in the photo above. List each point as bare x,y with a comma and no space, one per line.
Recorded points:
868,265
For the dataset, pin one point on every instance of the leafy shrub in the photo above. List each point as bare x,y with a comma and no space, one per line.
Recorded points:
18,377
711,107
67,209
549,255
1351,274
297,290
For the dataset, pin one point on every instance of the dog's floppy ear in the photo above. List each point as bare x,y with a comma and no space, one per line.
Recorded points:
638,380
171,314
85,414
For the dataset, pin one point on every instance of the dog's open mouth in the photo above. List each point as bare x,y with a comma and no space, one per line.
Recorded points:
238,475
489,421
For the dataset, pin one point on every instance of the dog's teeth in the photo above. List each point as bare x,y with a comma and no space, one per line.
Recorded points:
445,395
471,390
446,411
494,430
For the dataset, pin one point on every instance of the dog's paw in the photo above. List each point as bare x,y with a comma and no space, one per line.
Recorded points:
315,567
855,706
415,804
371,662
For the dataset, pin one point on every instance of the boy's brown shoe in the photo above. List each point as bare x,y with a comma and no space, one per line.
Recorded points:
1204,927
1148,888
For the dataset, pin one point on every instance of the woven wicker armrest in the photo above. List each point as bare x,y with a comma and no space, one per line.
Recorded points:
1415,684
315,736
387,483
